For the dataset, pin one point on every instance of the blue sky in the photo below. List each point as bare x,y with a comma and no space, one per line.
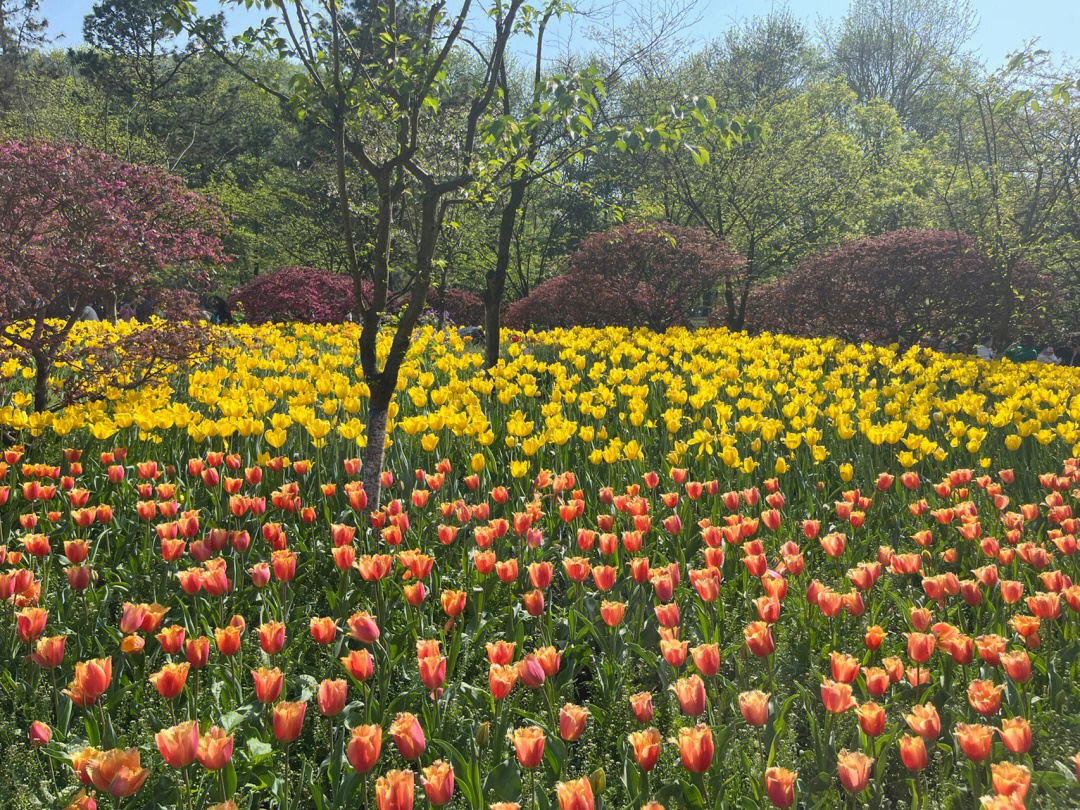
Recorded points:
1004,25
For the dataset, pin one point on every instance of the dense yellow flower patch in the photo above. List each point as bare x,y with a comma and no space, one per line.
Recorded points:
603,395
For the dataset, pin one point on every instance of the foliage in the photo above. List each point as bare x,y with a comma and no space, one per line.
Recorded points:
855,533
634,274
82,228
902,287
295,293
462,307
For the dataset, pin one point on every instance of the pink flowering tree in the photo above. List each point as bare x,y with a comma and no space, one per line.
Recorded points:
77,228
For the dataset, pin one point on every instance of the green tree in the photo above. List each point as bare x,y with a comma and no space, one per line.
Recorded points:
900,51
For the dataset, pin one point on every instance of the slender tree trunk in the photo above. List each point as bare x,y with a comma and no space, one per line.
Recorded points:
382,391
496,278
42,366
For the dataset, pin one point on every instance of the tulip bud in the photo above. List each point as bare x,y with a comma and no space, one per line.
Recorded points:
597,781
481,735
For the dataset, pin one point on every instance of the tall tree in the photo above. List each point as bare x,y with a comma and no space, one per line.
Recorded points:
377,83
78,227
136,57
899,50
21,30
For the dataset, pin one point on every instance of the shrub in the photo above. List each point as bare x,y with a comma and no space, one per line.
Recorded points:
462,307
632,275
900,287
79,227
295,293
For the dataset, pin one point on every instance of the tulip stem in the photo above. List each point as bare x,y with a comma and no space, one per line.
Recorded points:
285,781
187,784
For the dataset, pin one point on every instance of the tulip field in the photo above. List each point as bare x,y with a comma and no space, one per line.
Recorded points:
624,569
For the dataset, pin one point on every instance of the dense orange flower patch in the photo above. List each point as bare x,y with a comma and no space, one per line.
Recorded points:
201,627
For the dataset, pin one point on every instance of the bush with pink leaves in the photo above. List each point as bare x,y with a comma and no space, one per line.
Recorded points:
296,293
462,307
638,274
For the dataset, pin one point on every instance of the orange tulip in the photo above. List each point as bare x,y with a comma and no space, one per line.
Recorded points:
408,735
39,734
170,679
500,652
288,719
646,746
227,639
696,747
359,664
117,772
363,628
575,795
92,677
642,707
215,749
528,745
178,745
501,680
30,623
1016,735
674,651
80,763
534,602
453,602
780,787
844,667
364,747
754,706
331,696
394,791
871,718
432,671
920,647
985,697
267,684
691,694
990,648
323,629
758,636
612,612
1009,779
531,672
836,696
438,781
572,720
197,651
707,659
913,752
924,721
975,740
877,681
1017,665
873,637
49,652
80,801
1011,591
854,770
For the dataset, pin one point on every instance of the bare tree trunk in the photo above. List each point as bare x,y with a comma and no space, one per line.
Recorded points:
378,408
42,367
496,278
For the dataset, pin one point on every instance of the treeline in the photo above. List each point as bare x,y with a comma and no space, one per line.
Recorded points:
881,121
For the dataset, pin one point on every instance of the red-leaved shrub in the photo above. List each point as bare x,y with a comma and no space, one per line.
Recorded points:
296,293
900,287
462,307
638,274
